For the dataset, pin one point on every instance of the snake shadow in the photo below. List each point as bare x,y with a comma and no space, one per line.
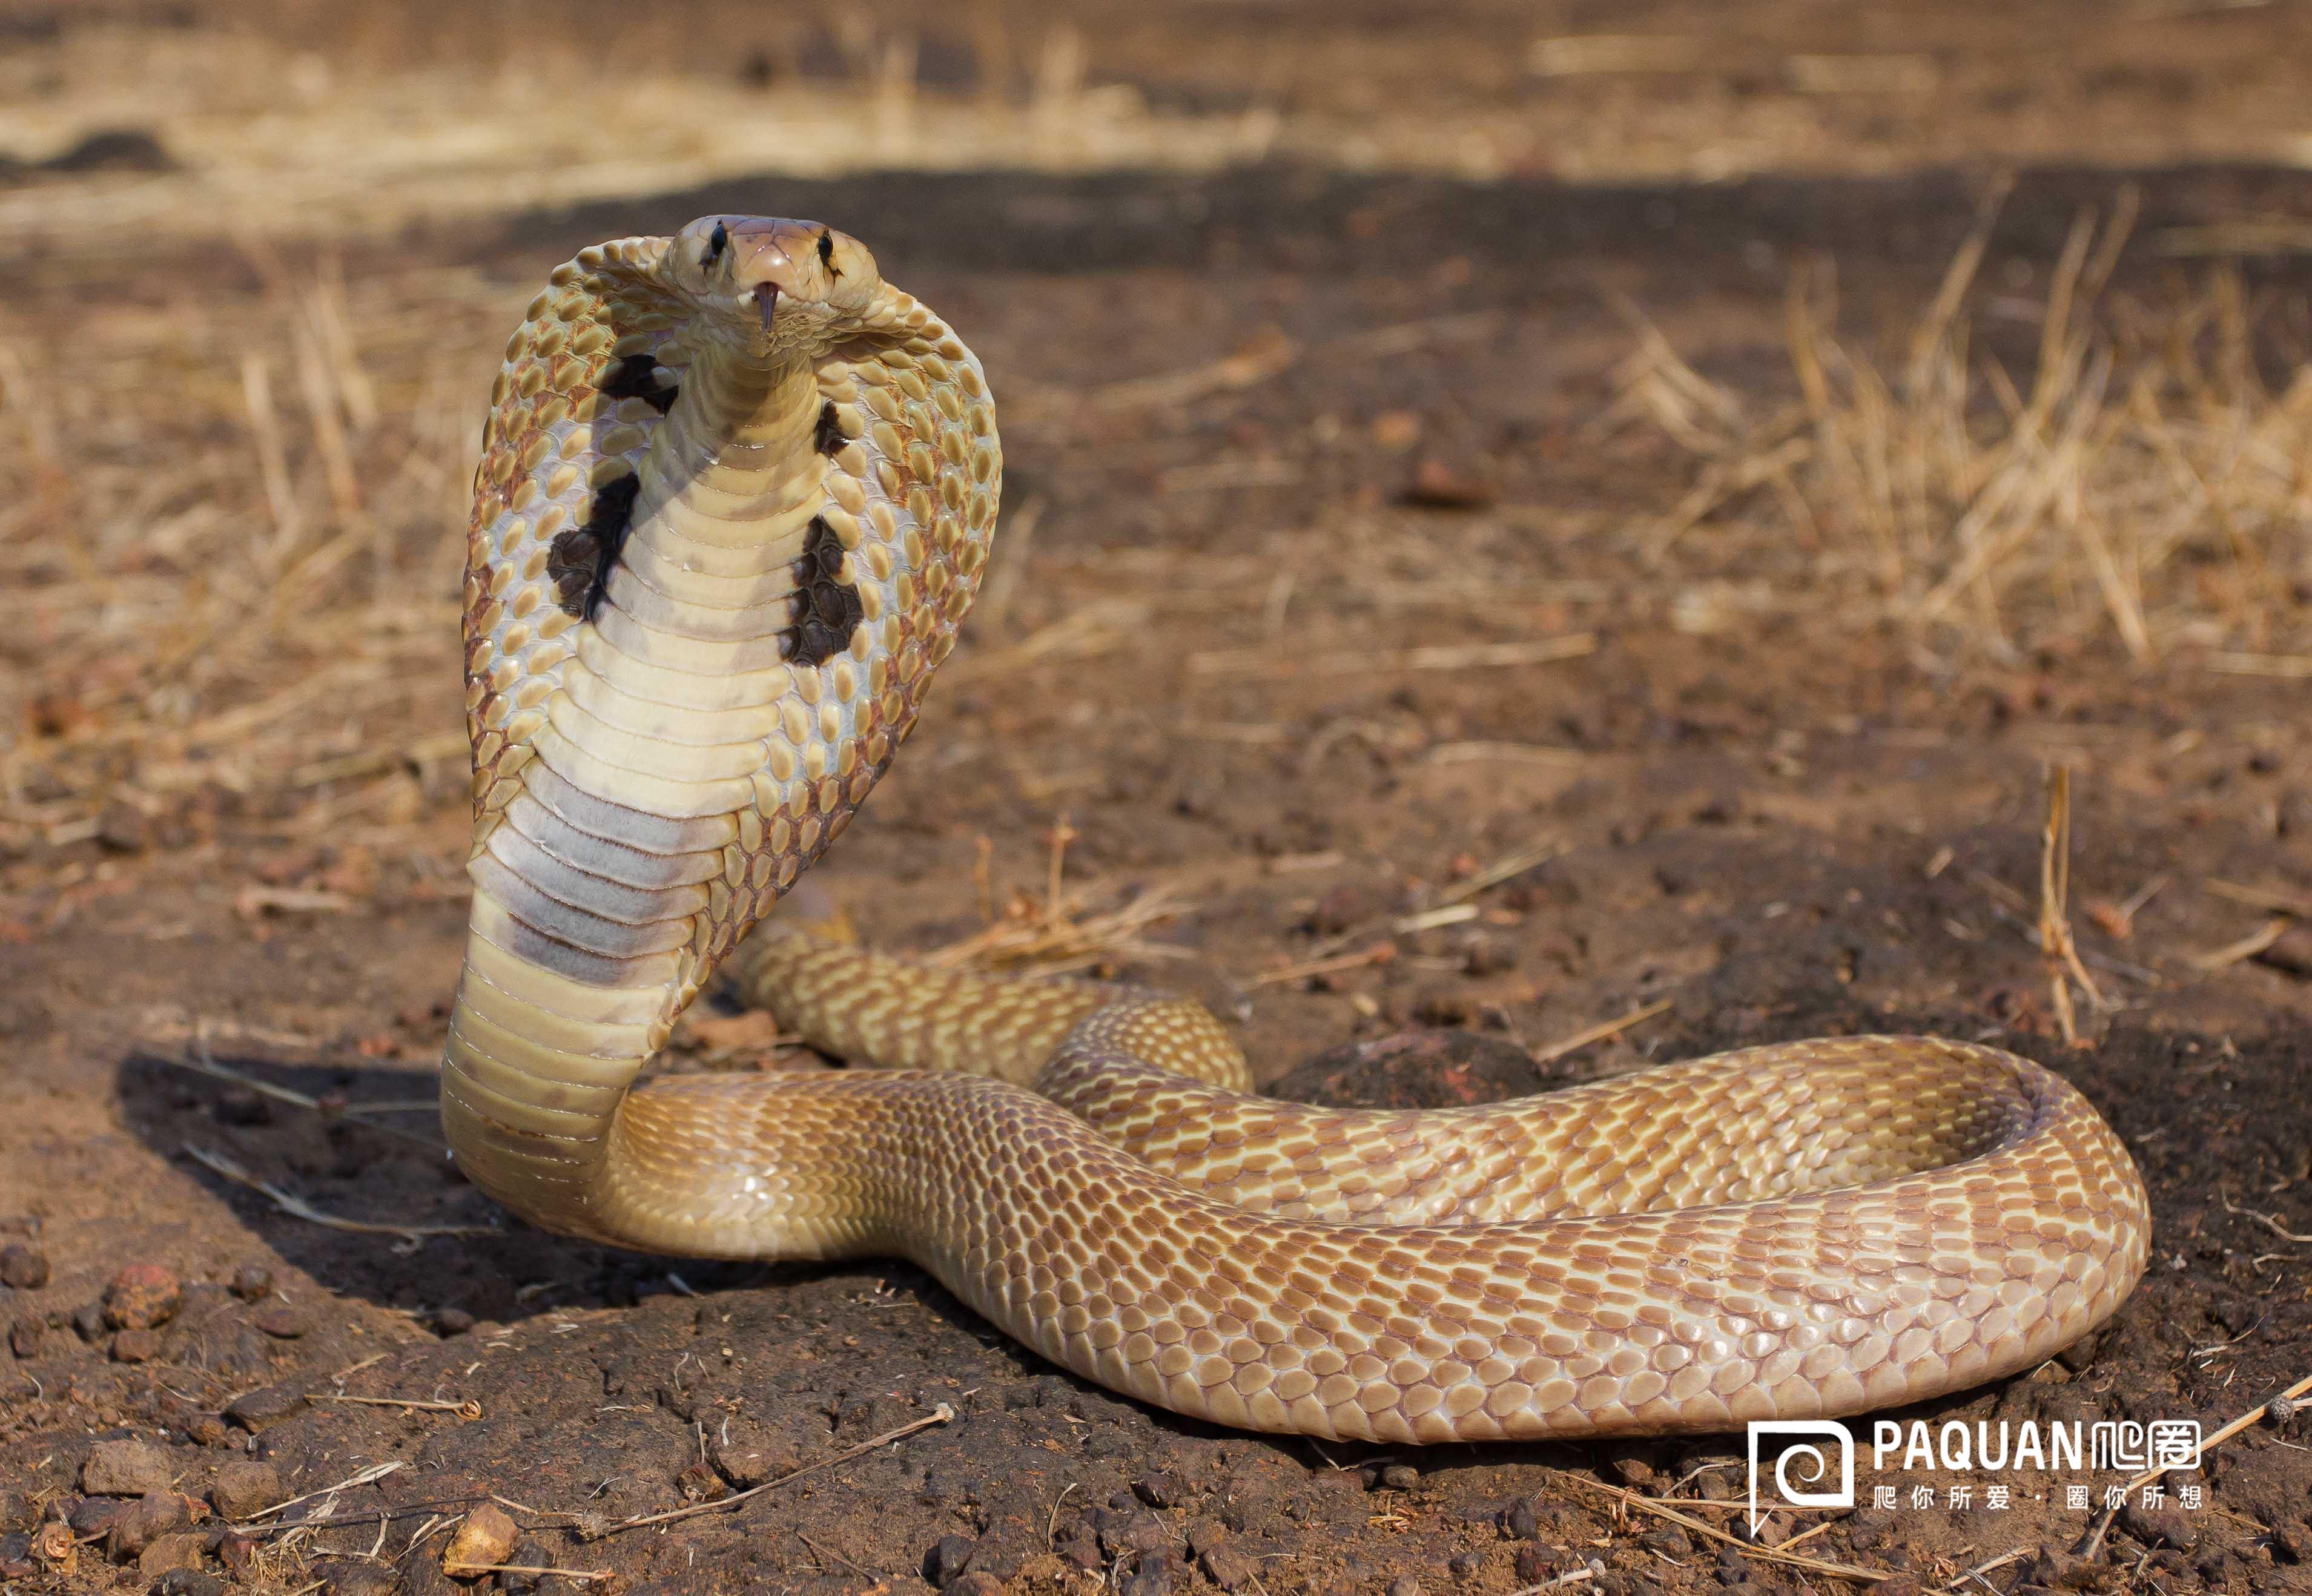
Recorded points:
339,1171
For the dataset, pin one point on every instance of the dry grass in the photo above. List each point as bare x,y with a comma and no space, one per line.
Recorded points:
2141,480
238,534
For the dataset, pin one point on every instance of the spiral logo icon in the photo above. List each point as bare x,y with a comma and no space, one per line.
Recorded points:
1802,1467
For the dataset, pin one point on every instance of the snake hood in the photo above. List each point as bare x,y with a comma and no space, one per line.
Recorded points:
769,286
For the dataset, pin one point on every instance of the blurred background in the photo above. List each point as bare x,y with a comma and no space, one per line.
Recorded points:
1231,264
1579,529
261,256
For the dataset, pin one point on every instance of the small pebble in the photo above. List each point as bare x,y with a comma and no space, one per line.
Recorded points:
91,1516
129,1467
1160,1489
267,1405
24,1268
2160,1526
1342,907
700,1482
1535,1563
1151,1574
527,1553
142,1297
452,1321
281,1321
245,1487
207,1429
347,1578
1440,485
977,1584
1521,1521
1078,1546
747,1454
947,1559
1634,1471
1121,1534
146,1521
1405,1584
237,1552
482,1539
252,1281
170,1554
24,1333
1228,1567
123,828
1464,1564
135,1347
1400,1476
1488,955
187,1582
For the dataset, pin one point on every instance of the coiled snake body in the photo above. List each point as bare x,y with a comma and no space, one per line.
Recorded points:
736,496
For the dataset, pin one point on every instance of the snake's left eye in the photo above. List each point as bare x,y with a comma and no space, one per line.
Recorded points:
716,242
826,253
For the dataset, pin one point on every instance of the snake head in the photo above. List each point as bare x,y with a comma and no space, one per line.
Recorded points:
770,285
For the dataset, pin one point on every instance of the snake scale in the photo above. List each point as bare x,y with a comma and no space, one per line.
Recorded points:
737,494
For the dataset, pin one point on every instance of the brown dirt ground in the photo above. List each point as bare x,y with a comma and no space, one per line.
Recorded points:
1775,825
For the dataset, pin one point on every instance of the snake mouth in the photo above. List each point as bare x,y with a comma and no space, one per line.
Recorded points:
767,299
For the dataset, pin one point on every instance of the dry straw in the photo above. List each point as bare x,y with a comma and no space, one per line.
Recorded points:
2140,481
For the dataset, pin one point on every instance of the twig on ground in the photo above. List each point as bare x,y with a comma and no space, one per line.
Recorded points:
2231,1429
1599,1032
2094,1540
369,1475
1508,866
467,1410
937,1416
1979,1570
1572,1576
203,1062
1695,1526
1268,664
2246,948
2261,897
2269,1221
296,1207
1380,953
1031,935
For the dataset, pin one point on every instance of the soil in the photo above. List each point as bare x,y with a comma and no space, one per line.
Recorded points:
1788,825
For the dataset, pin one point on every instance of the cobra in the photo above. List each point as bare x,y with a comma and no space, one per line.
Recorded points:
736,496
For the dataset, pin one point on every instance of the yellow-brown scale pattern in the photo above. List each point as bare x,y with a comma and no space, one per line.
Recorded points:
1812,1228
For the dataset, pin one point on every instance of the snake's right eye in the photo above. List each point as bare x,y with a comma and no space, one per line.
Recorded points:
716,242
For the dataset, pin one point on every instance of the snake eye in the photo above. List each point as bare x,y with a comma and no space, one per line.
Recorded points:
826,253
716,242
